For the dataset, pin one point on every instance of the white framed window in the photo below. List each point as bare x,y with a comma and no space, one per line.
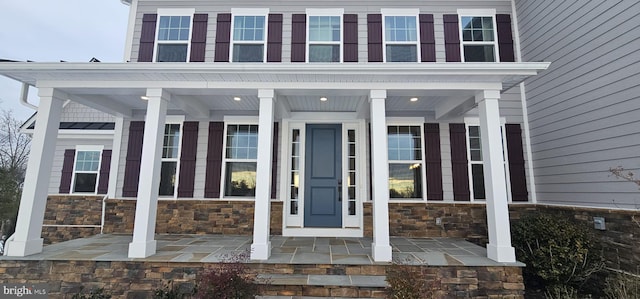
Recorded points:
400,38
173,35
324,35
240,160
171,149
476,161
478,35
249,35
406,161
86,169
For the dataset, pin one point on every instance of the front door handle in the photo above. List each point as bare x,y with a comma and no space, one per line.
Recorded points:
339,190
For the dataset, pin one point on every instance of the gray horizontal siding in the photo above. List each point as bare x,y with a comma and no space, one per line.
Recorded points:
288,7
583,110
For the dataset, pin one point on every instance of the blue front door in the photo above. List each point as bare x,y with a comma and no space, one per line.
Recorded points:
323,176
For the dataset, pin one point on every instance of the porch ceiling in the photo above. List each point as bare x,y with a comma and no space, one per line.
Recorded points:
117,87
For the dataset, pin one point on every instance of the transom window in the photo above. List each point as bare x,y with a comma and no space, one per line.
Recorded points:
249,38
478,38
170,159
325,38
85,170
405,161
401,38
241,155
173,38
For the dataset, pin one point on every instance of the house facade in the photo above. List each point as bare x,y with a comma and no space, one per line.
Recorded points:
327,109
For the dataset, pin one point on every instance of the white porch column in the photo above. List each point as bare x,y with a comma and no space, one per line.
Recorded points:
381,250
144,243
261,247
499,248
27,238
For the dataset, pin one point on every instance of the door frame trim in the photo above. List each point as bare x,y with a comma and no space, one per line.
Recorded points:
353,227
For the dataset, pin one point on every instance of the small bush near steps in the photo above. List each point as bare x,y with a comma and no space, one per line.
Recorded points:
407,282
228,280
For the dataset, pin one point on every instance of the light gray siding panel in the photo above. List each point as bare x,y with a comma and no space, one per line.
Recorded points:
58,157
74,112
201,158
583,110
445,155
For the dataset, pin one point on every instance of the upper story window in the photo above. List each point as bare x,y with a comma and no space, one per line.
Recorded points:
400,35
405,161
249,35
478,35
324,35
86,168
174,35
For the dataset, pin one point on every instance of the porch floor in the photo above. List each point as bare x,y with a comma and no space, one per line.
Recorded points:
286,250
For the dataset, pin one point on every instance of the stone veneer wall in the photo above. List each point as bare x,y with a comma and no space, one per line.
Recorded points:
71,217
133,279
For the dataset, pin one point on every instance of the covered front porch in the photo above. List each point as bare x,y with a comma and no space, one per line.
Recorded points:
366,93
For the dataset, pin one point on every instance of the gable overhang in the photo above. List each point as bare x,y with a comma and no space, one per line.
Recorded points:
116,88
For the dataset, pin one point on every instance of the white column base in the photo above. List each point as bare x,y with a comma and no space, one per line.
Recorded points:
24,248
381,253
142,249
260,252
501,254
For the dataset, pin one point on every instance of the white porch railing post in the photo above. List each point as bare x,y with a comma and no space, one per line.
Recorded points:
261,247
27,238
144,229
381,249
499,248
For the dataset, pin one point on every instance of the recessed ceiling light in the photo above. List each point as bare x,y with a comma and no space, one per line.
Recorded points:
146,98
237,99
324,99
413,99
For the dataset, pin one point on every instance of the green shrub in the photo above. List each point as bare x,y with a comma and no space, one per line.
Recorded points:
623,286
229,280
557,252
93,294
408,282
561,292
170,291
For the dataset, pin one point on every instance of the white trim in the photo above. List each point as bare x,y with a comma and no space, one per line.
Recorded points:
173,120
128,41
325,11
412,122
173,12
398,12
249,12
223,172
479,13
322,232
240,120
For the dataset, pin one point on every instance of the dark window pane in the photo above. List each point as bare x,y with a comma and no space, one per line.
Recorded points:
352,208
172,53
167,178
477,174
324,53
85,182
240,179
405,180
479,53
402,53
294,208
248,53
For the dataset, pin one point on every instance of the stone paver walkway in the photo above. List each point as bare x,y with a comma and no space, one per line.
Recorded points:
287,250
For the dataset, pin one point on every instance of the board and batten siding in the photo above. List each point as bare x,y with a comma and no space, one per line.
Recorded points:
583,110
289,7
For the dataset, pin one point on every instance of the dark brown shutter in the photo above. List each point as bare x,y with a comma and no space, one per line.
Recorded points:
515,152
199,37
505,38
134,156
459,162
147,37
274,162
350,39
433,161
374,37
103,179
274,38
223,37
298,37
67,171
188,158
427,38
451,38
214,160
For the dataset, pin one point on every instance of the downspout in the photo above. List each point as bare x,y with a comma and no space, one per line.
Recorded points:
525,112
24,95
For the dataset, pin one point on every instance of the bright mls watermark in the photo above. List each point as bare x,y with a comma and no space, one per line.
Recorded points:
24,290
